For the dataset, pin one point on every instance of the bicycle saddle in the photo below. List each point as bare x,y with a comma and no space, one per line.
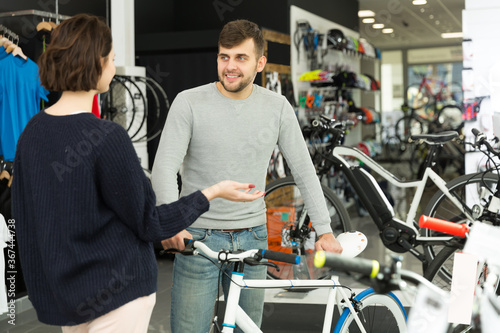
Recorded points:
353,243
436,138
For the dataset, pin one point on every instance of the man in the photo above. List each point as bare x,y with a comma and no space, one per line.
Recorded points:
228,130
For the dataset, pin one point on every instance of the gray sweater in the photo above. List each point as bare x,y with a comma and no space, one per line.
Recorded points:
210,138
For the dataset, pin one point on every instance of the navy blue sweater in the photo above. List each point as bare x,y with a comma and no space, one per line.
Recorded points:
86,216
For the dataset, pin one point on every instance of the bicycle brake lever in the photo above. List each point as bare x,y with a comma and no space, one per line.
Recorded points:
255,262
188,251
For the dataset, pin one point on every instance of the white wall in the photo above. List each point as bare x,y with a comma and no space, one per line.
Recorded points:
392,86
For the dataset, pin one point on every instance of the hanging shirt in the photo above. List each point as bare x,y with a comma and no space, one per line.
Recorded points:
20,94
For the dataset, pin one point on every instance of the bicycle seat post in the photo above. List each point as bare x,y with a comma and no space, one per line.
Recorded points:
434,150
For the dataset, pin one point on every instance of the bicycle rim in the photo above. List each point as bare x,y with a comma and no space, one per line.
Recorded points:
285,205
417,97
408,126
466,189
450,118
377,312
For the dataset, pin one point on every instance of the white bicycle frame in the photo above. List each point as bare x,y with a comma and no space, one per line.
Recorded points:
341,151
235,315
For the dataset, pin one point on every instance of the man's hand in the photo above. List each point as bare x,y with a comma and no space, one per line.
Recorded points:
328,243
176,242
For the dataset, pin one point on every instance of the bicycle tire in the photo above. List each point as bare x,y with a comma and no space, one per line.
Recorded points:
284,203
408,126
141,107
440,268
441,207
375,311
449,118
418,97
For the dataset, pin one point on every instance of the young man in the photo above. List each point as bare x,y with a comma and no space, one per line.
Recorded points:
229,129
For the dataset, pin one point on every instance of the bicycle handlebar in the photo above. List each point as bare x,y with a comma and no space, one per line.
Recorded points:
227,255
482,140
367,267
383,278
455,229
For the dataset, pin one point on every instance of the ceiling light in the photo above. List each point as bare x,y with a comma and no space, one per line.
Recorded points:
368,20
452,35
378,26
388,30
419,2
366,13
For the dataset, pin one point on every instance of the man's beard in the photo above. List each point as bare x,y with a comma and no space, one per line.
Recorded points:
243,83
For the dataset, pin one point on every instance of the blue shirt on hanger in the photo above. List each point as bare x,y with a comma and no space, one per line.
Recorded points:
20,94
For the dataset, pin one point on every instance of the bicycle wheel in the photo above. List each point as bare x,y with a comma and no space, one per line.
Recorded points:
466,189
450,118
440,268
418,97
439,272
285,207
408,126
377,312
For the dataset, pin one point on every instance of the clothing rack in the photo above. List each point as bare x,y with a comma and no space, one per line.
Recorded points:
8,33
36,12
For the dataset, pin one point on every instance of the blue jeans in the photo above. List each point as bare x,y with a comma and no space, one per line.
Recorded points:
196,280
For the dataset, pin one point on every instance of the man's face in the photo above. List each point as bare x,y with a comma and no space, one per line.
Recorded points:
238,66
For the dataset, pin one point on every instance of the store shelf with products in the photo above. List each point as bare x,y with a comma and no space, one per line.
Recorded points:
333,73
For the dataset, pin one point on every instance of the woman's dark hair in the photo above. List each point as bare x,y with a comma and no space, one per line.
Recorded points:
72,61
236,32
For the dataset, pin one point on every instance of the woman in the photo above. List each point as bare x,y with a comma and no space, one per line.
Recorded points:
85,212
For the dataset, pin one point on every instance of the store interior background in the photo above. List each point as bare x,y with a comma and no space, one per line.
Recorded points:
175,43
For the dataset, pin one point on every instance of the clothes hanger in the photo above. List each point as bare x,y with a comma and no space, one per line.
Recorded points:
16,50
19,52
44,26
10,46
53,24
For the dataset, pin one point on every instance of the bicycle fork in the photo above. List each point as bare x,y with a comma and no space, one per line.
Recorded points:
336,296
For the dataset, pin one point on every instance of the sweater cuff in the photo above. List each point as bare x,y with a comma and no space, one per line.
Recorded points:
322,229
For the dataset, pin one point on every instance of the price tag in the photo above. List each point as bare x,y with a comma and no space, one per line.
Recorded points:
428,313
463,285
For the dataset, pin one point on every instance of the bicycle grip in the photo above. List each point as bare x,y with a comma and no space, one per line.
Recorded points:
280,256
337,262
447,227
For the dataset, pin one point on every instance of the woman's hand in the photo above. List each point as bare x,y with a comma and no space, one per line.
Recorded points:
234,191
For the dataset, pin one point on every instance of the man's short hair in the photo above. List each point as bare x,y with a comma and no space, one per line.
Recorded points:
236,32
73,59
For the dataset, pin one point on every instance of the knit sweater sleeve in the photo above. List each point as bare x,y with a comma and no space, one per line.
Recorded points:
291,143
126,190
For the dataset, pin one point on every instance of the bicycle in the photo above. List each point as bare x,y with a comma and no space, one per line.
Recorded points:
290,234
357,311
388,278
485,211
487,278
421,94
448,117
